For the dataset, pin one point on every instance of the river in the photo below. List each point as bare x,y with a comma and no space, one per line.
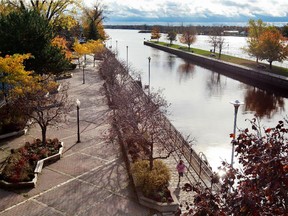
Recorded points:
199,97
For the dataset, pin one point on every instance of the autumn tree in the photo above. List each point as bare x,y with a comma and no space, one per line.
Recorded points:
260,186
90,47
155,33
93,22
188,36
14,81
256,28
171,36
272,46
53,10
28,32
15,78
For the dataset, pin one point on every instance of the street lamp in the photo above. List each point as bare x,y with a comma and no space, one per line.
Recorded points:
236,105
149,60
127,55
78,126
83,65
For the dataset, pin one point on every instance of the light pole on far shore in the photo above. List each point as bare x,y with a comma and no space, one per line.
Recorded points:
149,60
127,55
78,123
236,105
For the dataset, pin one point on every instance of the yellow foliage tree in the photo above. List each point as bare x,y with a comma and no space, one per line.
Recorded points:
90,47
18,80
14,75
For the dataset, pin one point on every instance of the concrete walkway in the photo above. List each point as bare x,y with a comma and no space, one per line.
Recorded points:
91,177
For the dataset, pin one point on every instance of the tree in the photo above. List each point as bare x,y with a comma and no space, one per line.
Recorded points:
155,33
52,10
214,37
139,117
92,22
43,106
28,32
188,36
256,28
171,36
90,47
260,186
272,46
285,31
220,43
15,79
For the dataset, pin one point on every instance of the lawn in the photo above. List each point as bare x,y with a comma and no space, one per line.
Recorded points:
232,59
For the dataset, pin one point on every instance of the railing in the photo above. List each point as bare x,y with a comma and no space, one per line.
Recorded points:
196,165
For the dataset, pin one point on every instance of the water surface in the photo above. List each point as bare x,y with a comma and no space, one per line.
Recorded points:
199,97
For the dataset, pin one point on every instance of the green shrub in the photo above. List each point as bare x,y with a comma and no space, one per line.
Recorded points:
153,181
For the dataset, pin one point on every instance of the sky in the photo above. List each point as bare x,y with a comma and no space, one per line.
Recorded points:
169,11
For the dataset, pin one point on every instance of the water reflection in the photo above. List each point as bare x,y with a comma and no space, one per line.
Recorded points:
216,84
264,104
185,71
171,61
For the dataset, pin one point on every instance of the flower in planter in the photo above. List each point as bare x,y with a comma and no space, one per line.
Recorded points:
21,163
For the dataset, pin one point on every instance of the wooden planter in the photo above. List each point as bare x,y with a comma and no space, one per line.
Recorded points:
40,164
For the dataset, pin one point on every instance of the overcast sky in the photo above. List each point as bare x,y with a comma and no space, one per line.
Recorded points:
195,10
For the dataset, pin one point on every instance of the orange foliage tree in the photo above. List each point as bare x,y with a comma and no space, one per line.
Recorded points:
273,46
61,43
155,33
188,36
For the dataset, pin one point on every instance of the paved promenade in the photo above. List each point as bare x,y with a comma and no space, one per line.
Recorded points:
91,177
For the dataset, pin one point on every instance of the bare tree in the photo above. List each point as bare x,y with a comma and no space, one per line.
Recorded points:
44,108
138,116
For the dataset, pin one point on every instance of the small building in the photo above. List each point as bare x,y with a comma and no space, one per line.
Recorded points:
230,33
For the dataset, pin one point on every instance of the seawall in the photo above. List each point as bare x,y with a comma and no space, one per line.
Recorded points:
272,80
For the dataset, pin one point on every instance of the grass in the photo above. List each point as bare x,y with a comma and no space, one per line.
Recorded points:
232,59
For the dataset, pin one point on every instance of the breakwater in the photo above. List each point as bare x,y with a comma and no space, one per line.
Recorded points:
258,77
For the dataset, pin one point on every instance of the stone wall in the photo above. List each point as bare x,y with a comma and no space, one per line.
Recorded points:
230,69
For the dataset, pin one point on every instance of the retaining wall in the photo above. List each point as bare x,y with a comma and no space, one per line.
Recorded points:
272,80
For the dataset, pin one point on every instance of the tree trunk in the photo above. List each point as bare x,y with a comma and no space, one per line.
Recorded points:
43,130
270,65
151,156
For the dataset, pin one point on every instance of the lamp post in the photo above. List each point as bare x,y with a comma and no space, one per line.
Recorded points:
236,105
83,65
127,55
149,60
78,126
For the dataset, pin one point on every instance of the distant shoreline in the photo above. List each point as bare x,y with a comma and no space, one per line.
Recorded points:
203,30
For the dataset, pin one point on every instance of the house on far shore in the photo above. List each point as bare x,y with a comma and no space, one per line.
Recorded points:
230,33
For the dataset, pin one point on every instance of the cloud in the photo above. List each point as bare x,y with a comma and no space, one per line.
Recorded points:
196,10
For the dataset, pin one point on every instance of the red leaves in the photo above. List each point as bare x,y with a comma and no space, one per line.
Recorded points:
268,130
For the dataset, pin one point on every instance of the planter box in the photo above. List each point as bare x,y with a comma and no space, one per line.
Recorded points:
13,134
159,206
40,164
